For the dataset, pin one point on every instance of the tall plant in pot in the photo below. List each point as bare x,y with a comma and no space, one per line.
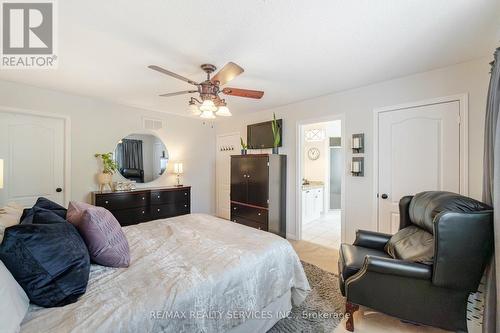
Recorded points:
276,134
244,146
109,167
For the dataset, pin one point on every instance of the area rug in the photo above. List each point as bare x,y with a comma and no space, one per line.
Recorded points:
323,308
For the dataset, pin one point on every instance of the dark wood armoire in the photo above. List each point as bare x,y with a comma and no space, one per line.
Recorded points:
258,191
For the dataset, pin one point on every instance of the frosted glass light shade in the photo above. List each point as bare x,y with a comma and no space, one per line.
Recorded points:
1,173
223,111
193,109
208,105
178,168
207,115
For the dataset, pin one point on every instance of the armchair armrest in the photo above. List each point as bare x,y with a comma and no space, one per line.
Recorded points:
397,267
371,239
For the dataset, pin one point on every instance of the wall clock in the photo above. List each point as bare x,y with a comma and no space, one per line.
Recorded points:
313,153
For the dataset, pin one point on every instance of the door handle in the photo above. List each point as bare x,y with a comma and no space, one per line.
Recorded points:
384,196
58,190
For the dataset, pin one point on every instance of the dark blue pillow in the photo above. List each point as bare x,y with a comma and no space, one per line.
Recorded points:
49,261
42,216
46,204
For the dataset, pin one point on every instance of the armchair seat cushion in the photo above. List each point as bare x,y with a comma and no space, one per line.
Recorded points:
352,258
412,244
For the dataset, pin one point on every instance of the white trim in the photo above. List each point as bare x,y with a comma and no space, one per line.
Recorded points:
298,174
463,100
67,142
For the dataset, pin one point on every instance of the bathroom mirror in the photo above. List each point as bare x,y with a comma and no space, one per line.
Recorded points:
141,157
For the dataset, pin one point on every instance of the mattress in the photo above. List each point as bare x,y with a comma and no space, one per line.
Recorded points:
192,273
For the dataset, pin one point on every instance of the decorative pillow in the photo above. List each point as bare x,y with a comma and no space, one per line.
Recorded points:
42,216
46,204
49,261
103,235
75,212
412,244
13,301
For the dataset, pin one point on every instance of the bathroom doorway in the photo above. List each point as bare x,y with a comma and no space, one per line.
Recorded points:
321,186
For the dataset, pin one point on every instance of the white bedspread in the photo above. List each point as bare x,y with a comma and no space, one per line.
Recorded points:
193,273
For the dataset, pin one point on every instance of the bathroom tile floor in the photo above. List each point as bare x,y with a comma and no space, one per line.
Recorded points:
324,231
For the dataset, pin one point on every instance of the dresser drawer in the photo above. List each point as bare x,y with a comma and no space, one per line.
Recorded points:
122,200
132,215
169,197
249,223
250,213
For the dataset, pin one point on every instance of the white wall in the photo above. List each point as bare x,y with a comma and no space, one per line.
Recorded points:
96,126
357,105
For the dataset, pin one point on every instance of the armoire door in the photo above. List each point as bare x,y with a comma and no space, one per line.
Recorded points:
239,187
257,175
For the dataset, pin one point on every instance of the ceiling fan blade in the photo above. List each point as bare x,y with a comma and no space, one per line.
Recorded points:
227,73
179,93
243,93
172,74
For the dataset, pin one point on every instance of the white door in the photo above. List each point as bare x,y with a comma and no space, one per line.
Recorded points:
227,145
33,151
419,150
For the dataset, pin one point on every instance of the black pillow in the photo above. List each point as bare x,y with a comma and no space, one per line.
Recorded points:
49,261
46,204
42,216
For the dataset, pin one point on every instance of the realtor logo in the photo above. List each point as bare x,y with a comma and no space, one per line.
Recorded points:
28,31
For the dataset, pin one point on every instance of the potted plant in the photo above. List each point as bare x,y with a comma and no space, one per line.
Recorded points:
109,167
276,134
244,147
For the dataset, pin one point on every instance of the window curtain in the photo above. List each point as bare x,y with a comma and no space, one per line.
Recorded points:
491,194
129,154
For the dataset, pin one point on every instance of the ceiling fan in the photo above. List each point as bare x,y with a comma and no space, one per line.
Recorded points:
209,90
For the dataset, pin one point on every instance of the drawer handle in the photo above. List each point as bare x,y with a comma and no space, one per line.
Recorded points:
158,197
234,208
185,193
158,209
260,228
143,198
143,212
185,205
106,202
234,220
259,214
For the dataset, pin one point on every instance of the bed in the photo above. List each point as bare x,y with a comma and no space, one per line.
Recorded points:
192,273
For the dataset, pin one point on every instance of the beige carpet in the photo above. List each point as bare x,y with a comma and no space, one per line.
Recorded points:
365,320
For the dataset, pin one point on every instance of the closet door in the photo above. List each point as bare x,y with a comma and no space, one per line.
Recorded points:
257,176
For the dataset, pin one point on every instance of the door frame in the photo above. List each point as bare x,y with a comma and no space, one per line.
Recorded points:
299,167
67,141
217,185
463,100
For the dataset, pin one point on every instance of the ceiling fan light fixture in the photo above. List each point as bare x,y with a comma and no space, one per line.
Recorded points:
208,105
193,109
223,111
207,115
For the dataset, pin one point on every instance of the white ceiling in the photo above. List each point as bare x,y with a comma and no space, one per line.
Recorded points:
291,49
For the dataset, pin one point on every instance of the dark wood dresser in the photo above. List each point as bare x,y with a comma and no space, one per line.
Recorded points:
258,191
145,204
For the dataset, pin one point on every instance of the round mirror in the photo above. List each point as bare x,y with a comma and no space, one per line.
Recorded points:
141,157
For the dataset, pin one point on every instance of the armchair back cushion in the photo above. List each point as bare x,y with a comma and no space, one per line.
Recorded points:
426,205
412,244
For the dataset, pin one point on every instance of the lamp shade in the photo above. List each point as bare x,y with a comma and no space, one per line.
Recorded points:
208,105
207,115
178,168
193,109
1,173
223,111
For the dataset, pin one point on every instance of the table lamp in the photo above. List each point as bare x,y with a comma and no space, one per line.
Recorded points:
178,171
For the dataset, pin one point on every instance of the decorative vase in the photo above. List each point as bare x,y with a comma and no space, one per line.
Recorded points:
275,150
243,152
105,179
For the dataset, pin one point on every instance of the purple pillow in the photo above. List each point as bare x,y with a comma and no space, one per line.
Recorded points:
102,234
